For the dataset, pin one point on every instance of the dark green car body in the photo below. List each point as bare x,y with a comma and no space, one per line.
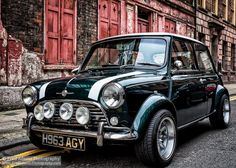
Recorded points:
190,95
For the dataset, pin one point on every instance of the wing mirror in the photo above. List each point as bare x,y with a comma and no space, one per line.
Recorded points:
76,70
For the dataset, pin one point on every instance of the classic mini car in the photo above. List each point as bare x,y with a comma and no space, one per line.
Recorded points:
137,88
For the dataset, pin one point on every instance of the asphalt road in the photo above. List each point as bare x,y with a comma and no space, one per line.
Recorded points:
198,146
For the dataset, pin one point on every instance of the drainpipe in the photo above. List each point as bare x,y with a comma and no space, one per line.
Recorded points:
0,13
195,19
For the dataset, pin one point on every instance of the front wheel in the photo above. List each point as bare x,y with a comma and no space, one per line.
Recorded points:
221,118
157,146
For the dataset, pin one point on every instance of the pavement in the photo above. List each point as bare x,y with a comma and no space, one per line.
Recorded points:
231,88
12,134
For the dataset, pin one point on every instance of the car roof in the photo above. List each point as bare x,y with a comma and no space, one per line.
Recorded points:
149,34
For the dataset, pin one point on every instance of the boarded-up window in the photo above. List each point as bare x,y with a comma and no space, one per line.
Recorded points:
170,26
60,32
109,18
143,20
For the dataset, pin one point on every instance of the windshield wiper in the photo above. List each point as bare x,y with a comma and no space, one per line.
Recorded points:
91,70
110,65
118,66
126,66
150,64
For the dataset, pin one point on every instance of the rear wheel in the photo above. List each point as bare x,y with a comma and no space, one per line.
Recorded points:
222,117
157,146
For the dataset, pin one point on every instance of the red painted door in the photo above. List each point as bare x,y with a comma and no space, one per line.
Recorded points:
143,25
170,26
109,18
60,31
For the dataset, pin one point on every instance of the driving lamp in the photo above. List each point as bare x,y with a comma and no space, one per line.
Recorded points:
82,115
49,109
38,112
66,111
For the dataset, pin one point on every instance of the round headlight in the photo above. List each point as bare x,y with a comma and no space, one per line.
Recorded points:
29,95
49,109
113,95
82,115
38,112
66,111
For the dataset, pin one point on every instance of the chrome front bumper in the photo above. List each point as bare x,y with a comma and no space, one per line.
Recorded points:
124,134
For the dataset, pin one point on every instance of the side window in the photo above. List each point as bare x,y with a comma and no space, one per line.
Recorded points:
182,56
203,58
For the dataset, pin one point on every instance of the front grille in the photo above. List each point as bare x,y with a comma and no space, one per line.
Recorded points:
97,114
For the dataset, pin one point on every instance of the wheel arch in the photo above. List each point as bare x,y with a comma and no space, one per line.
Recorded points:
151,105
220,91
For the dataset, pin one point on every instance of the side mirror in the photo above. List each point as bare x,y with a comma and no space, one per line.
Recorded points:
76,70
178,64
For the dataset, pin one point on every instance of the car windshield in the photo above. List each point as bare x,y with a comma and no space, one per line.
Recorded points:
131,52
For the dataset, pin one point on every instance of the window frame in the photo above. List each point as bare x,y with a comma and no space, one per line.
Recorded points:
233,57
192,72
224,55
184,71
209,57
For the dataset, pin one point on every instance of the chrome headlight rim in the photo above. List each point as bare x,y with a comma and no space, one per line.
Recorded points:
70,112
39,112
87,116
34,96
121,93
49,114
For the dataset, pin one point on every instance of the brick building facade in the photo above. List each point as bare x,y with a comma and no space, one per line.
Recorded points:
216,27
56,35
41,39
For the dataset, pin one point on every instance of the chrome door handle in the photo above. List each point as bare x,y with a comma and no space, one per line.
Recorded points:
203,80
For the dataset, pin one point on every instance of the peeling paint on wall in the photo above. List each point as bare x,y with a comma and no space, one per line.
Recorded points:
15,51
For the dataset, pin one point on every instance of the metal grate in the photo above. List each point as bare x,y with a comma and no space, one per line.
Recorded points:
97,114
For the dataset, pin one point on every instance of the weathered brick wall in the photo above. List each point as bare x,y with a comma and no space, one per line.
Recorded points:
87,26
24,20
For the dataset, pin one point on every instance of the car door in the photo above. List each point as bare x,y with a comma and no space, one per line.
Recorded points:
210,78
188,88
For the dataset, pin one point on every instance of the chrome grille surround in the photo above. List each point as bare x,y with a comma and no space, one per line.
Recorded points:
97,114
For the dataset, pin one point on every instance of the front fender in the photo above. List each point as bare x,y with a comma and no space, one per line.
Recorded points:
148,109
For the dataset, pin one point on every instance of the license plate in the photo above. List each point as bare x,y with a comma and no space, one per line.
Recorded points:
76,143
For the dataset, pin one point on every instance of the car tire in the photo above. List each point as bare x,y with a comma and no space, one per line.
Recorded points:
221,118
157,146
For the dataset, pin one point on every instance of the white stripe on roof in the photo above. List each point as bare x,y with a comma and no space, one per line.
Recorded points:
151,34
